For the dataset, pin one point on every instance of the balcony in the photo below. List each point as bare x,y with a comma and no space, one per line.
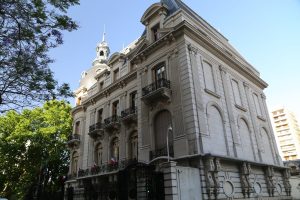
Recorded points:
112,123
73,141
159,90
96,131
162,152
129,115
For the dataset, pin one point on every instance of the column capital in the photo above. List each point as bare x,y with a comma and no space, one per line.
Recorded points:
263,96
246,85
192,49
222,69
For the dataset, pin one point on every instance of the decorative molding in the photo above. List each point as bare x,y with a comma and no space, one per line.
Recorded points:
212,93
240,107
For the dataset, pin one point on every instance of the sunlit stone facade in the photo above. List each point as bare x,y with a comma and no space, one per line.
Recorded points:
178,114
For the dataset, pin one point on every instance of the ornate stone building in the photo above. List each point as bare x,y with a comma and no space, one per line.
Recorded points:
178,114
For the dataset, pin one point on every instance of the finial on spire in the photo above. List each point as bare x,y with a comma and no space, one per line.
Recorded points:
103,37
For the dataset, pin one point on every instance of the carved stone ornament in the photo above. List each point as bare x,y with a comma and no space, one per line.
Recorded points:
286,182
212,168
269,173
245,173
192,49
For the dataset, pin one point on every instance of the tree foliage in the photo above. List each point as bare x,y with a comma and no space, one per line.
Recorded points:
33,150
28,29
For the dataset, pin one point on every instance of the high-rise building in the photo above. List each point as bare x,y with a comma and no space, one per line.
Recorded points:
178,114
287,133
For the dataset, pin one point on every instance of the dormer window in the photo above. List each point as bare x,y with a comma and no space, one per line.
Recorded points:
155,33
101,53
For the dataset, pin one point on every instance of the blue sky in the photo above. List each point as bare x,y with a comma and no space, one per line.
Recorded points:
266,33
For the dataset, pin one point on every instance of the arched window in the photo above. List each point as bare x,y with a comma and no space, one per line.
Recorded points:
98,154
101,53
133,145
114,150
75,157
162,122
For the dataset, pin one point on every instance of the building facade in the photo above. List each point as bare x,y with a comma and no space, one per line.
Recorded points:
287,133
178,114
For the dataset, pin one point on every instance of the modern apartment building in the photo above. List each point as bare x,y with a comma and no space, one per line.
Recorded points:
178,114
287,133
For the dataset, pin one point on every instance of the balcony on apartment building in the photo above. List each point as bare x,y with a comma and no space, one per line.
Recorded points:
73,140
96,130
129,114
112,122
156,91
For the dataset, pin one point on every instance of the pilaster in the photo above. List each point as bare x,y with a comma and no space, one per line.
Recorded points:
253,120
229,108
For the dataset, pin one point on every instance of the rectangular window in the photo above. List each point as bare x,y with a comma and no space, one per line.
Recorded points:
236,92
116,74
115,108
155,32
99,115
133,99
160,72
77,126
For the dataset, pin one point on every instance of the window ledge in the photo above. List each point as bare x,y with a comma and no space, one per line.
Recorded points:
261,118
241,108
212,93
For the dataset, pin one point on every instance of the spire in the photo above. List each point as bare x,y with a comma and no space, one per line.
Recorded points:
103,37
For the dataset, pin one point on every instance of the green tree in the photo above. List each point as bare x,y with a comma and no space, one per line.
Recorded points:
33,150
28,29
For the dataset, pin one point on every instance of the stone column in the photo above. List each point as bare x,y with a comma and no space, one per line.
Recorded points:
229,108
170,180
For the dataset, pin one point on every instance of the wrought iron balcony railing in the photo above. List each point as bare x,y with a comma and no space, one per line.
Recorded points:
162,152
160,83
129,114
96,130
112,122
73,140
94,127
